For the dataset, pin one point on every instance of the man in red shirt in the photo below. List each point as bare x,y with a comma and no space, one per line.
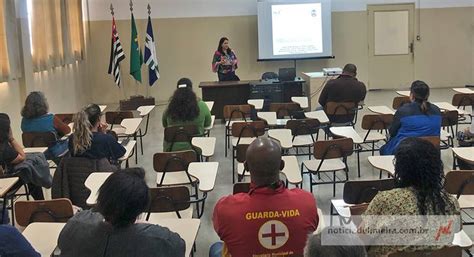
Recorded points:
269,220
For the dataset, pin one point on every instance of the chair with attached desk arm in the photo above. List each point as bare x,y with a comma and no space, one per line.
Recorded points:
172,169
240,157
286,110
434,140
170,202
9,186
304,133
398,101
244,133
341,113
461,101
178,134
235,113
117,118
460,184
330,156
56,210
449,120
356,194
43,139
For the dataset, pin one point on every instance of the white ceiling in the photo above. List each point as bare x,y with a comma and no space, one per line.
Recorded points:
99,9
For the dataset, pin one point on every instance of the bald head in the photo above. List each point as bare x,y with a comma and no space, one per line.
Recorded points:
264,162
350,69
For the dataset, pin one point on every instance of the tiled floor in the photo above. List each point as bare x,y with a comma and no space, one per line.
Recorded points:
153,143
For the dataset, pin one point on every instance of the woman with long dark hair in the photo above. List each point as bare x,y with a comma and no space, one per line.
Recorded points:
11,154
184,109
225,61
420,118
90,139
419,179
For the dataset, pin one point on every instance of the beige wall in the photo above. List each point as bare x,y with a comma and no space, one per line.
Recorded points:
443,57
64,87
10,103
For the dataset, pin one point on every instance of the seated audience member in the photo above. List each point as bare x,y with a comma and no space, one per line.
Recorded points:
346,88
419,178
13,243
351,245
419,118
37,119
90,138
185,109
467,139
113,231
12,154
270,219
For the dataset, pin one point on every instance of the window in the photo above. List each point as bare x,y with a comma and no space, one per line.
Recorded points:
4,65
56,32
75,28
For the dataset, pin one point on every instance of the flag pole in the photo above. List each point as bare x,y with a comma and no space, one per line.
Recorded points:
136,82
148,87
113,16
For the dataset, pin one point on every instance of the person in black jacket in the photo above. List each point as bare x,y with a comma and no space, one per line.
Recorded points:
346,88
90,138
111,229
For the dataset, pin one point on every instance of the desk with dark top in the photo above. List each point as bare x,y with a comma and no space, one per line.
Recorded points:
238,92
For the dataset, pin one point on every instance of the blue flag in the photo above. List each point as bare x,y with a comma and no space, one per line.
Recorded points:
150,54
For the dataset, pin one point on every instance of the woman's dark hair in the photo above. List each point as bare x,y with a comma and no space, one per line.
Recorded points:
184,81
123,196
219,47
35,105
93,113
183,105
4,127
421,91
418,164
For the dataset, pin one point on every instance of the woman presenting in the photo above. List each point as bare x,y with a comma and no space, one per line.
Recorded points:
225,62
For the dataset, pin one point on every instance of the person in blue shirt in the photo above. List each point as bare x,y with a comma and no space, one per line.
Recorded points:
420,118
14,244
90,138
36,118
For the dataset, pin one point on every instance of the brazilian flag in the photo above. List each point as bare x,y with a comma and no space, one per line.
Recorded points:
136,57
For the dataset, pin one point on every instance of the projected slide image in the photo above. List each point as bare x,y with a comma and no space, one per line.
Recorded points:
297,29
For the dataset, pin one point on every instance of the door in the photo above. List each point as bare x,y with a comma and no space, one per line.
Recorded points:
391,40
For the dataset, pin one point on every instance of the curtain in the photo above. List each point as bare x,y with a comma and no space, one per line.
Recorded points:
4,66
56,32
75,29
10,66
